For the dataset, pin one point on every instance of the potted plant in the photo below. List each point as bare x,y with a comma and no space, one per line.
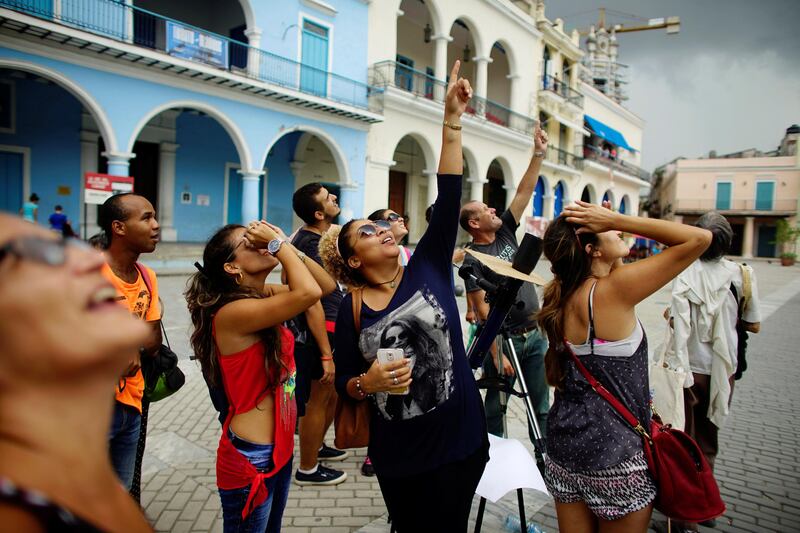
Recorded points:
786,236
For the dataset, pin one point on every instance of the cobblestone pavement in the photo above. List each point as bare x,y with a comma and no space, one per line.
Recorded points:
758,466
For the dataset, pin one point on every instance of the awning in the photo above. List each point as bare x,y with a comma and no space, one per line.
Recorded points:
608,133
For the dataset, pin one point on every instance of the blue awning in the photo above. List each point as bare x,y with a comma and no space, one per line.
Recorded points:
608,133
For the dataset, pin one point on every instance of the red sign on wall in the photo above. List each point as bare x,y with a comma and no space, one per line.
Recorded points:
100,187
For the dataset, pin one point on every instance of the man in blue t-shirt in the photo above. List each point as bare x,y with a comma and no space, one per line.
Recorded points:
58,219
496,236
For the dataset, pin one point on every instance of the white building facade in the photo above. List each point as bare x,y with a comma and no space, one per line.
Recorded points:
523,68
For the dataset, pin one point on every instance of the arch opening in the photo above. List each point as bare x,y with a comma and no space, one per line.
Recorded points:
46,123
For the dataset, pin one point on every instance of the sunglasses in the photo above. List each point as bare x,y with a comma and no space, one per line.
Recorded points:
393,217
372,228
52,252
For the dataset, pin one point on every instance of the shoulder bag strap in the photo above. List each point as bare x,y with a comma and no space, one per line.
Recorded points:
357,298
607,396
747,286
599,388
146,277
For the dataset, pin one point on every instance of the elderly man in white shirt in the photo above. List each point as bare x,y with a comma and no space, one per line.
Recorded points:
706,298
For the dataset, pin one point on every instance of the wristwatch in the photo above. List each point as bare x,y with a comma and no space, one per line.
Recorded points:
274,246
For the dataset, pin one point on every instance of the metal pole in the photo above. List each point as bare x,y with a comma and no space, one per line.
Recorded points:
537,434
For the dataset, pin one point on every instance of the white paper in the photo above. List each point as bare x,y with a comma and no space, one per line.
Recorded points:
510,467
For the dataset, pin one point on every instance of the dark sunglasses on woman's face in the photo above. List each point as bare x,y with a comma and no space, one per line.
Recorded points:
393,217
51,252
372,228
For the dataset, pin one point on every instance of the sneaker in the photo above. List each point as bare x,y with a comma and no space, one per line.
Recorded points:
323,476
327,453
367,469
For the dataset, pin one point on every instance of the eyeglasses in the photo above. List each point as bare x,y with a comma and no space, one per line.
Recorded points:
52,252
372,228
233,252
393,217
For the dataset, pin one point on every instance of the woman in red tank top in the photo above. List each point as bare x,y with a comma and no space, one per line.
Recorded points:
243,348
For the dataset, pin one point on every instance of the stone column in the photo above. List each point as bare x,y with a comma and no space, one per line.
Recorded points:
348,193
481,82
253,53
440,68
165,211
119,163
251,181
433,187
747,238
511,190
89,142
548,205
476,189
513,81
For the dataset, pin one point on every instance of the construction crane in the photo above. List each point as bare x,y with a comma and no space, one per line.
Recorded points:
672,24
601,67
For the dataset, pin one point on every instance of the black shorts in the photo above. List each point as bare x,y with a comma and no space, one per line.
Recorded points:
309,367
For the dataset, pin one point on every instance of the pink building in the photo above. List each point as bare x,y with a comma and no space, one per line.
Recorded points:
752,189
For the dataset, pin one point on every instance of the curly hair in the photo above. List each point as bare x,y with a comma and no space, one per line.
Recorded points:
331,246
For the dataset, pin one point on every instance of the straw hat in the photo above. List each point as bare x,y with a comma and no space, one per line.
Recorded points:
504,268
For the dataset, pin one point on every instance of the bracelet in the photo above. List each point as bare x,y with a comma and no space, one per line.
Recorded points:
456,127
300,255
328,358
538,154
358,387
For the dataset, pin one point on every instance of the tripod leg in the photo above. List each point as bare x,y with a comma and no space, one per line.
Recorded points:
537,433
523,526
502,396
479,518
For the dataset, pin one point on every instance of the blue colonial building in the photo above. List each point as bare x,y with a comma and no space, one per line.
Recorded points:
219,109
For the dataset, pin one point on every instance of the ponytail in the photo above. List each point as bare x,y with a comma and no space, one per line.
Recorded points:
570,265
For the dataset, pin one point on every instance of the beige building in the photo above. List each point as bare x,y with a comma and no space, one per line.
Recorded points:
523,67
752,189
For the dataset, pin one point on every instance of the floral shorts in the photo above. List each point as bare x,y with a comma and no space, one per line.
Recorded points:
610,493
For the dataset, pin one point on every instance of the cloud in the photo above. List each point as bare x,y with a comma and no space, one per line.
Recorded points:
729,80
714,103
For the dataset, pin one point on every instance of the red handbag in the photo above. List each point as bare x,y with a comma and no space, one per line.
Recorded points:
686,488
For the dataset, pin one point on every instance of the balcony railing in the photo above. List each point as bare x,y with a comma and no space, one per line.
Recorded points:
734,204
394,74
500,115
403,77
605,158
123,22
562,157
549,83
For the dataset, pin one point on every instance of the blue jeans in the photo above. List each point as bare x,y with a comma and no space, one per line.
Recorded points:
530,348
122,440
266,518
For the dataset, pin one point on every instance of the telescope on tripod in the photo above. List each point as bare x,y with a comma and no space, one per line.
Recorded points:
502,297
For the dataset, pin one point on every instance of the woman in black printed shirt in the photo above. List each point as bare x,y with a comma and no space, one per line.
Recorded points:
429,448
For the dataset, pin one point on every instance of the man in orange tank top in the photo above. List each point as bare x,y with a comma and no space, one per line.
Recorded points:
130,227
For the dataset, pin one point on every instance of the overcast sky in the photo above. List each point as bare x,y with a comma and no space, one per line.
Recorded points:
730,80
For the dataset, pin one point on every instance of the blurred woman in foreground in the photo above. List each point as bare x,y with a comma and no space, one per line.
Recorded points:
63,339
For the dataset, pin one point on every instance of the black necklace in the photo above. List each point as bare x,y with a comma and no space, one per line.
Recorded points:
391,282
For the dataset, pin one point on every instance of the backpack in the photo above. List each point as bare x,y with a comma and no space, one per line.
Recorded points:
162,375
741,328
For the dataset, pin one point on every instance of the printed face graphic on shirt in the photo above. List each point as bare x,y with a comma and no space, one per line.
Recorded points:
419,328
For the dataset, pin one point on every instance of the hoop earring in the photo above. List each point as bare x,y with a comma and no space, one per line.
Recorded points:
239,277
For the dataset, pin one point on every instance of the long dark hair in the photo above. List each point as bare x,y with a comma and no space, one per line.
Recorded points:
208,291
570,265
